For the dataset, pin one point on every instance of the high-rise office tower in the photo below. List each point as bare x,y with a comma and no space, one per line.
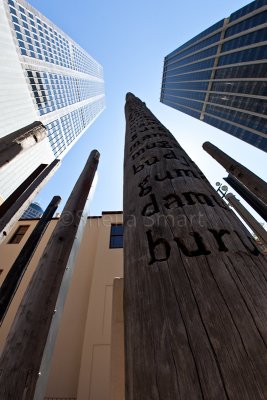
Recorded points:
220,76
44,76
33,211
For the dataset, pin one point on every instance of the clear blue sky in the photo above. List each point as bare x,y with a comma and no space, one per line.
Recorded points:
130,40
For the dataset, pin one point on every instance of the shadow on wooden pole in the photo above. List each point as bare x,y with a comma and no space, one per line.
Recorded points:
25,360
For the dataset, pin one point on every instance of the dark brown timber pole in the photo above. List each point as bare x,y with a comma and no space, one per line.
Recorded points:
16,272
259,206
24,363
195,298
16,142
12,209
255,184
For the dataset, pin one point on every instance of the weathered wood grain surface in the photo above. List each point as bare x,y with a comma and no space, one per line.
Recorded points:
195,297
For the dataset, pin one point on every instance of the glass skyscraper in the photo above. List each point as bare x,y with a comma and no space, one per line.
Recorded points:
220,76
44,76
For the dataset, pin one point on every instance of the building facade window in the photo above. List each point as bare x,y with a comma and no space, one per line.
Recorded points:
18,235
116,236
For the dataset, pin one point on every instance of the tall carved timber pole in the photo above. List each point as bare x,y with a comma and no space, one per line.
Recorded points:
255,184
195,298
30,342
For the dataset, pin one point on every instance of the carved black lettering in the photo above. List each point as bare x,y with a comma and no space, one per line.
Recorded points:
144,186
138,168
218,237
151,208
185,172
150,146
170,155
173,199
146,137
255,251
136,144
138,153
184,162
133,137
165,145
167,175
159,246
193,197
201,249
152,161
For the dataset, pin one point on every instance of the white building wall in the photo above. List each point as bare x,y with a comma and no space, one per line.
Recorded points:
16,106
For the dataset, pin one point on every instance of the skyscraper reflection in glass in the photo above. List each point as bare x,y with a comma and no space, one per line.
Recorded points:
220,76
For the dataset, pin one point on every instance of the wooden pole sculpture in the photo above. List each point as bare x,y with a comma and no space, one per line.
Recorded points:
195,297
254,183
16,272
24,363
20,199
258,205
256,227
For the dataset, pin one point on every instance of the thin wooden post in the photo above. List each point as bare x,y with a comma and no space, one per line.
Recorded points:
254,183
26,356
16,272
18,201
258,205
13,144
256,227
195,284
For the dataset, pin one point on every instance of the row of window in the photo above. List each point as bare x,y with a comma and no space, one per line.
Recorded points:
38,40
207,32
116,235
246,40
63,131
248,23
192,67
240,133
224,98
258,106
258,88
54,91
186,85
239,117
253,54
231,72
206,42
247,9
195,57
188,94
179,107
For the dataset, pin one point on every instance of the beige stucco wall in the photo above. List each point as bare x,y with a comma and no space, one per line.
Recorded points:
80,367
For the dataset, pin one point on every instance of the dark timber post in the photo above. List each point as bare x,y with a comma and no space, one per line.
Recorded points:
255,184
16,272
13,144
19,200
247,217
24,363
195,298
259,206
